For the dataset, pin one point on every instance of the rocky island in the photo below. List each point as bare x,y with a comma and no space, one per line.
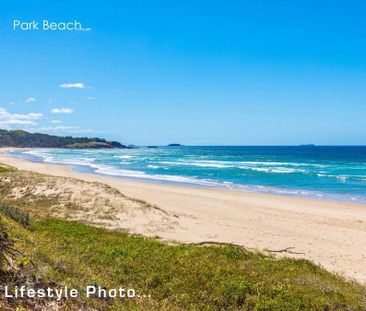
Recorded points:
174,145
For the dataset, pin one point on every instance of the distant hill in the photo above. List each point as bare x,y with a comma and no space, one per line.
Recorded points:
23,139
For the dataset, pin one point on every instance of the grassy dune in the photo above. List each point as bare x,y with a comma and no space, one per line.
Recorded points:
172,276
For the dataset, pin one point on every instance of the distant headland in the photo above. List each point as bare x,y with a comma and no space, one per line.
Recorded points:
307,145
23,139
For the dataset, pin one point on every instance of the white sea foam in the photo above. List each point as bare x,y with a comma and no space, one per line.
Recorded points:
342,177
153,166
269,163
275,170
36,152
69,162
46,157
258,169
269,167
123,156
283,170
215,164
109,170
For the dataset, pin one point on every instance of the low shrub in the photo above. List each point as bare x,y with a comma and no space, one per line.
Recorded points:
15,213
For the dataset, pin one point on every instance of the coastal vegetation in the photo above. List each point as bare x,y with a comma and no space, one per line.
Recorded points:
23,139
43,247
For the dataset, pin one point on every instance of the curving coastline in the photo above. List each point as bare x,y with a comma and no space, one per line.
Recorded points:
328,172
328,232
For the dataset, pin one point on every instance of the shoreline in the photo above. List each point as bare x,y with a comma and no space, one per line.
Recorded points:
330,233
198,183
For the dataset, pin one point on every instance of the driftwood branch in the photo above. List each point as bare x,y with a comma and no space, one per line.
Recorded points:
284,250
287,250
215,243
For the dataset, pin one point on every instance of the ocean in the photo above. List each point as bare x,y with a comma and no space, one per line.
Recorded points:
336,173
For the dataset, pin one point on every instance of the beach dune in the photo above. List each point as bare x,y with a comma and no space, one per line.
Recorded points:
332,234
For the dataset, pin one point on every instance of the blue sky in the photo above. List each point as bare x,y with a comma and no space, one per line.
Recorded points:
193,72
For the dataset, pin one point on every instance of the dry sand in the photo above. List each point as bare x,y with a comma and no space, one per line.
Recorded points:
332,234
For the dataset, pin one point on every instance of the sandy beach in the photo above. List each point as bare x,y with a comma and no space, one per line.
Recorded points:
332,234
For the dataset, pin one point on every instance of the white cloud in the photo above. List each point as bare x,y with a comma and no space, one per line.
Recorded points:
61,128
18,122
62,110
77,85
33,115
30,100
57,128
91,98
7,119
55,121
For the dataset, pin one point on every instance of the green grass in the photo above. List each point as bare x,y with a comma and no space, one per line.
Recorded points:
6,169
179,277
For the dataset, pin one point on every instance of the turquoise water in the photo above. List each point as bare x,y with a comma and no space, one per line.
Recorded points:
320,172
